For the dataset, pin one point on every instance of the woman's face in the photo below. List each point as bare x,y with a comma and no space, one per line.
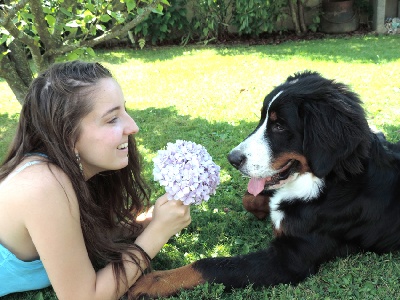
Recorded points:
103,141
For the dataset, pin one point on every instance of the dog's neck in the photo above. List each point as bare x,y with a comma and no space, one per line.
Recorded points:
304,187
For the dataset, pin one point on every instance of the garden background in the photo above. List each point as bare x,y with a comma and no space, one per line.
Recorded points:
212,95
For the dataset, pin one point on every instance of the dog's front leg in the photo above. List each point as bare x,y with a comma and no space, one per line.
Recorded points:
287,260
166,283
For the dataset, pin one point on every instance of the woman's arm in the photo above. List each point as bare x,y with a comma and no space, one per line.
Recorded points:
121,231
52,218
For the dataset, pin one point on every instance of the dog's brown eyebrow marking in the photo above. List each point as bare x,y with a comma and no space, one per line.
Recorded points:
273,116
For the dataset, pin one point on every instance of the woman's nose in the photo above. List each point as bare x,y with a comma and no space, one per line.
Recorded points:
131,127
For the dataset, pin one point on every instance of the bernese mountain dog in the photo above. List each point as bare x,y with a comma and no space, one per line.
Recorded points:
330,185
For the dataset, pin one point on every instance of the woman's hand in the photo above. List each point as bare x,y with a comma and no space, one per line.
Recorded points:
168,218
145,217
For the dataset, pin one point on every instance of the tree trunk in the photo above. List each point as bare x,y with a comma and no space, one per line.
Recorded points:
293,11
301,16
15,69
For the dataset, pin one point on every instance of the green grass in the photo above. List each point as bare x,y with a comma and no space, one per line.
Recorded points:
212,96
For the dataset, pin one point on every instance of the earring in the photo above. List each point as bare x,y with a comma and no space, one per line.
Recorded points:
78,160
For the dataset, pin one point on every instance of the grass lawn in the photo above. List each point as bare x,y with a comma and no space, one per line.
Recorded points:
212,96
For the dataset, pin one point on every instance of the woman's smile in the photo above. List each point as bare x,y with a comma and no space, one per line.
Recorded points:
104,130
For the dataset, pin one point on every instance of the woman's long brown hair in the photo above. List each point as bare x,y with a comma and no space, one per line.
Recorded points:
49,123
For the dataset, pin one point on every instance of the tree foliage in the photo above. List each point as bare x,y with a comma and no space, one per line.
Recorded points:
34,33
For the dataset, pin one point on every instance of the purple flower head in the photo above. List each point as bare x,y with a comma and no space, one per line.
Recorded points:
187,172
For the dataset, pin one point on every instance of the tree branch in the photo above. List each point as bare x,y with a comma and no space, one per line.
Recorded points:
7,15
124,29
18,34
22,37
113,33
21,61
10,74
60,20
40,23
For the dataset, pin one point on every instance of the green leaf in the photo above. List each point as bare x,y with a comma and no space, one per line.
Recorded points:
92,30
50,20
138,28
26,15
164,28
91,7
66,12
39,296
158,10
4,53
88,13
117,16
90,51
105,18
3,38
46,10
142,43
130,5
76,54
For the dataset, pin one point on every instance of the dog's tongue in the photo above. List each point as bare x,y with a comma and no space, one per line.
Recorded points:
256,185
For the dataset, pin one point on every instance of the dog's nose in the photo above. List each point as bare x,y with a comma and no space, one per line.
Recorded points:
236,158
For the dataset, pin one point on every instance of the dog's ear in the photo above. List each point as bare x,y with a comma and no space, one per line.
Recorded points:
336,135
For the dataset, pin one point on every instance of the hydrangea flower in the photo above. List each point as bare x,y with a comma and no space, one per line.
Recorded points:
187,172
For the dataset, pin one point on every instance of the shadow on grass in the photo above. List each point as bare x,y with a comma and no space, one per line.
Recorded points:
370,49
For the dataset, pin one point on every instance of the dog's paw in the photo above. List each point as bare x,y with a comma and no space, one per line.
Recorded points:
257,205
149,286
165,283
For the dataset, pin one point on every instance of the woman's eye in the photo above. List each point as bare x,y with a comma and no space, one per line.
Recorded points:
113,120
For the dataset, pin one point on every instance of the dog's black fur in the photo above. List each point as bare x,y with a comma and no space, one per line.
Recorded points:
320,127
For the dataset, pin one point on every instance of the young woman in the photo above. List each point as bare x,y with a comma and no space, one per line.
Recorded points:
71,191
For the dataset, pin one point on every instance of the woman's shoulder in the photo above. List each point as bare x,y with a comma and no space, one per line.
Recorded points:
38,193
37,179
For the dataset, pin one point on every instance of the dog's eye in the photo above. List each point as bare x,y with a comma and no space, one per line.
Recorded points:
278,127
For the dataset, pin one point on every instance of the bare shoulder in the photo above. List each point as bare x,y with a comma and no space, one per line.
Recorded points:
35,202
41,186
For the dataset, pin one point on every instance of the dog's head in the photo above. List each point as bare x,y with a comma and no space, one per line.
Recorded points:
308,124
